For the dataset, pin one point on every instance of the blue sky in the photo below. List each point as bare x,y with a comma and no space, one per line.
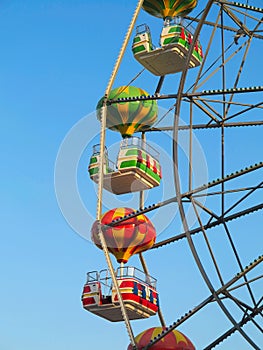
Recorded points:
56,59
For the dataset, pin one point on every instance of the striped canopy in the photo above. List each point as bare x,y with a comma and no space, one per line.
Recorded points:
169,8
132,236
174,340
129,117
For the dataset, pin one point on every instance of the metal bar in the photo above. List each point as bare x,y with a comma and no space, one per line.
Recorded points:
142,259
232,330
238,302
245,110
207,243
205,126
141,201
227,191
247,282
235,19
212,24
207,226
241,66
216,69
160,84
241,274
244,6
236,103
143,211
200,74
227,178
210,212
205,102
260,301
223,114
210,115
145,269
226,91
238,261
190,161
206,302
187,94
244,197
178,322
239,73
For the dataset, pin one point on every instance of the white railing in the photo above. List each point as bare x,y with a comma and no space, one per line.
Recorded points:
104,277
142,28
132,142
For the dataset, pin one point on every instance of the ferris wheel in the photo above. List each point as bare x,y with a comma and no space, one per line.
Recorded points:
214,53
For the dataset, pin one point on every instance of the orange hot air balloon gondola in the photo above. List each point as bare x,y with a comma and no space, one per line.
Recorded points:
137,288
130,237
174,340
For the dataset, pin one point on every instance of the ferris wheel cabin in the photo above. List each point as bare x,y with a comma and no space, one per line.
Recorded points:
138,291
137,167
170,58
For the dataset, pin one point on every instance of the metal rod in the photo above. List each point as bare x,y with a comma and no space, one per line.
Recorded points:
190,161
176,324
244,197
228,191
247,282
142,259
238,261
143,211
190,94
239,73
227,178
245,110
232,330
200,72
244,6
223,114
207,243
206,302
160,84
206,126
235,19
141,204
231,29
209,225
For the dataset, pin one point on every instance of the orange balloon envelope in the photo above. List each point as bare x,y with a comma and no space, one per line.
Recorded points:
174,340
127,238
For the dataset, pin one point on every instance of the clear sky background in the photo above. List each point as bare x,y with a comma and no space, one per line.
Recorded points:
56,59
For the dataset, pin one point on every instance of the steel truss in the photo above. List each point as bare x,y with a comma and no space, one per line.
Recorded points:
213,110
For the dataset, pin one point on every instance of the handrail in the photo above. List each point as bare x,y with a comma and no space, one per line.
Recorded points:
120,273
138,142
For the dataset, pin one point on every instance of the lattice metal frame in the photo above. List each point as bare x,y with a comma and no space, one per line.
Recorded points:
216,105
